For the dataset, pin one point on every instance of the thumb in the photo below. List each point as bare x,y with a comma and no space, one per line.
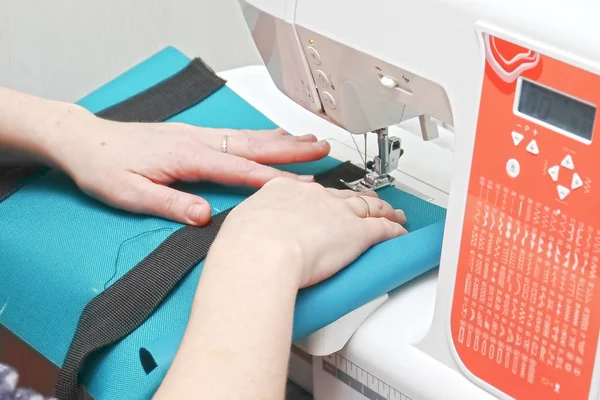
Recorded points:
163,201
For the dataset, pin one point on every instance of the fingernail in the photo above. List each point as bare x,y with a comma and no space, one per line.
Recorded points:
195,213
321,144
306,178
308,137
401,216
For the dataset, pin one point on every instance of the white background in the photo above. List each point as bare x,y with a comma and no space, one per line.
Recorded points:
64,49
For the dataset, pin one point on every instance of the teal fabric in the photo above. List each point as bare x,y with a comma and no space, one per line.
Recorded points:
60,248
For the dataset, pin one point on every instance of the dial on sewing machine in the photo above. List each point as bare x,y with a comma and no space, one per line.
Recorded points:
516,309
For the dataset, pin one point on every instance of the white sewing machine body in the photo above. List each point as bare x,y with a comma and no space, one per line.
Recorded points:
519,84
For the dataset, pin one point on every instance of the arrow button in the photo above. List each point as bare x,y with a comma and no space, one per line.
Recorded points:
576,182
562,192
553,172
567,162
532,147
517,138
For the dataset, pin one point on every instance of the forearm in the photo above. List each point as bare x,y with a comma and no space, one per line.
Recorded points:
34,128
238,339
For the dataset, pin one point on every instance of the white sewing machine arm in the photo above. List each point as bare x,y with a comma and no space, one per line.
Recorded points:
351,88
334,336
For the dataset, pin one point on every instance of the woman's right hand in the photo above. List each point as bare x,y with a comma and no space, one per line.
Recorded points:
324,230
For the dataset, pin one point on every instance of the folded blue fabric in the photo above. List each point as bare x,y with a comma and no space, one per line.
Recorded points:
59,248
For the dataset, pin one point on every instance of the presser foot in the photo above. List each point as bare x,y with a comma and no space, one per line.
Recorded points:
370,183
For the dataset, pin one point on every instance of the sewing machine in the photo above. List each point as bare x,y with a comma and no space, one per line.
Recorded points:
502,98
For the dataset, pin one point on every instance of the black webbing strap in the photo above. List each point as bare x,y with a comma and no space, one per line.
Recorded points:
11,178
184,89
124,306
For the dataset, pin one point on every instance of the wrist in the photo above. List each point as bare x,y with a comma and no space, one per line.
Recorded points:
59,137
35,126
278,261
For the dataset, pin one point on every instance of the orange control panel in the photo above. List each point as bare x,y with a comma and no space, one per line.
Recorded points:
526,313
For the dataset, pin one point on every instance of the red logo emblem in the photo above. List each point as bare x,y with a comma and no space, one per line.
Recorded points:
508,61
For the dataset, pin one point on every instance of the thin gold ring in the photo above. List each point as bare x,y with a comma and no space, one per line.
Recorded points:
367,207
224,144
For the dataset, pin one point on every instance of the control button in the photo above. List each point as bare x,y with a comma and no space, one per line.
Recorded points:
553,172
322,78
568,162
513,168
576,182
388,82
313,55
517,138
328,100
532,147
562,192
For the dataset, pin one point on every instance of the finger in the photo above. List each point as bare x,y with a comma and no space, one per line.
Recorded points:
262,133
365,206
163,201
302,138
267,146
278,151
271,135
347,193
268,135
382,229
229,169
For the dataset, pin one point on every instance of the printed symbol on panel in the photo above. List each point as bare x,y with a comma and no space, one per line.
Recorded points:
576,182
596,245
517,138
511,336
567,162
587,185
536,215
581,347
567,257
576,261
516,235
557,255
524,238
461,334
549,252
553,220
579,235
554,172
532,148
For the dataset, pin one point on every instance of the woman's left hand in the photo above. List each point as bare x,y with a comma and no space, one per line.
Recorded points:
130,165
